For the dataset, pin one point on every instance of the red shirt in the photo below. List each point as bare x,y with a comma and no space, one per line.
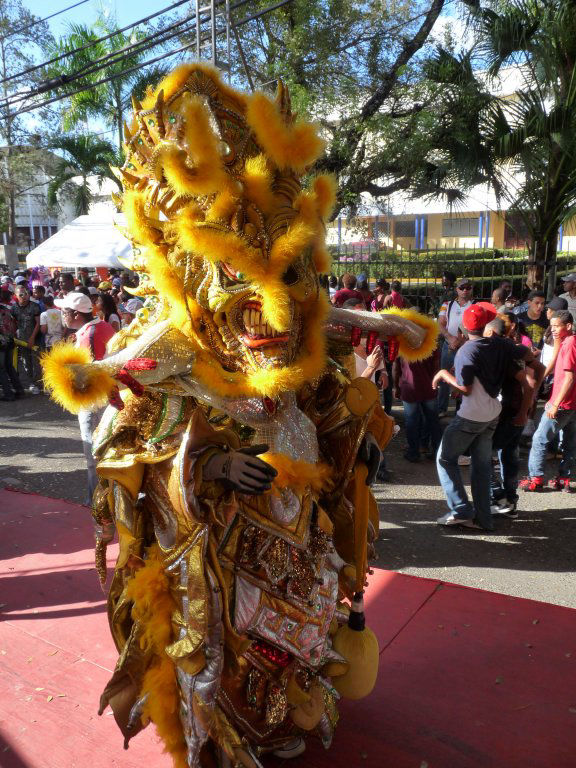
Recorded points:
95,340
566,361
416,379
344,294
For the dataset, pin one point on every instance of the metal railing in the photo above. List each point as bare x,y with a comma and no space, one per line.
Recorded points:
420,271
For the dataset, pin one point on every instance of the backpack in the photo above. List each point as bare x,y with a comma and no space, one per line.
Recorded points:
474,301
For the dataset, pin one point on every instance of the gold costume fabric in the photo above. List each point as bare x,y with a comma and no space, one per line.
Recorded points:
227,608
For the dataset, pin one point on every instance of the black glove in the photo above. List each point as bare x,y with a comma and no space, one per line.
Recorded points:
241,470
370,454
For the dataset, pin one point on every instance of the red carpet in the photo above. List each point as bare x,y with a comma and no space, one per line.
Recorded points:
468,679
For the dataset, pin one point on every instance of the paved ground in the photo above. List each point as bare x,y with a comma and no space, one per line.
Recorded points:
533,557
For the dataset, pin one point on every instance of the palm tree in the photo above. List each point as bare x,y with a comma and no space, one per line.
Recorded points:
86,156
109,100
525,143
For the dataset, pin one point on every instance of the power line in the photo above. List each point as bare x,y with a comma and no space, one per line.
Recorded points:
39,21
68,79
109,60
100,82
93,42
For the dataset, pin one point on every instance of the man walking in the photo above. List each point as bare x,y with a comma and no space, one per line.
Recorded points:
559,413
449,320
26,313
93,334
480,365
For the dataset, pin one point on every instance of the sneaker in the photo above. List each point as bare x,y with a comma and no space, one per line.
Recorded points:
531,484
34,390
464,461
504,507
560,484
442,414
451,519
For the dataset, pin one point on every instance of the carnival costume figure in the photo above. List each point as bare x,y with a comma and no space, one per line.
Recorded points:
236,457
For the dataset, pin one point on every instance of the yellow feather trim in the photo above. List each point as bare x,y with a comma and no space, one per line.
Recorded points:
299,476
294,146
153,608
174,82
71,379
257,181
326,187
430,342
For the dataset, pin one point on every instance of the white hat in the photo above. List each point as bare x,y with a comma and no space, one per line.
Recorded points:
79,302
133,305
5,279
20,280
92,290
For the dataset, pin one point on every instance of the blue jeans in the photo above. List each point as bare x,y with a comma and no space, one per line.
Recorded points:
460,436
447,362
545,434
506,441
417,415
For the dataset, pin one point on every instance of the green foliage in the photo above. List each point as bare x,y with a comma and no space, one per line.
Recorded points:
524,144
105,100
85,156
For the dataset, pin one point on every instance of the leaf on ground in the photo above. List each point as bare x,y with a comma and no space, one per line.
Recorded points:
53,653
38,689
536,621
49,698
498,681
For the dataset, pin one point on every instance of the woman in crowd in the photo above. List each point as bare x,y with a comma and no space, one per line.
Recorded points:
106,308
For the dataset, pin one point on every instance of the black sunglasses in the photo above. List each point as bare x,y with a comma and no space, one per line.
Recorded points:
464,287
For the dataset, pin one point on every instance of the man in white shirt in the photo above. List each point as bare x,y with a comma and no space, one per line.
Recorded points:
569,285
51,323
450,321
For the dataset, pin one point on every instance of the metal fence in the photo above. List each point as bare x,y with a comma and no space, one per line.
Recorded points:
420,272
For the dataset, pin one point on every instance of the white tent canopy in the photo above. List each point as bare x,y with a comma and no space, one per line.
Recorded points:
88,241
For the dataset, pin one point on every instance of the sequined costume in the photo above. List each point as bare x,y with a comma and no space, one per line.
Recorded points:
225,607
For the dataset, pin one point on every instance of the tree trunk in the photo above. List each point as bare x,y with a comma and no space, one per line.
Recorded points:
542,262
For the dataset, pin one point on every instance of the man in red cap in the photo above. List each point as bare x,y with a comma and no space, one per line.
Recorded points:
480,367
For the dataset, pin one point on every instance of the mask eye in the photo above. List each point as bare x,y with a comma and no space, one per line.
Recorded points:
229,277
290,277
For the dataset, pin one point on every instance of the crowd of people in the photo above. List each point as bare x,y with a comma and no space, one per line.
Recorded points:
496,360
39,309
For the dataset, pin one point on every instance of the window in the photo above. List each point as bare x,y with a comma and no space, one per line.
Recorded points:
405,228
460,227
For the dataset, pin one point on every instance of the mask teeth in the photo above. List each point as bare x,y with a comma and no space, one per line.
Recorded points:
255,324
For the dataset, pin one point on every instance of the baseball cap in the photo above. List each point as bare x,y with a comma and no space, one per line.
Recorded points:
19,280
489,308
79,302
5,279
92,290
117,282
476,317
463,281
571,277
557,303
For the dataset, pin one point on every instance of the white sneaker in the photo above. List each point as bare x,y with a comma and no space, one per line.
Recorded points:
464,461
34,390
450,519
